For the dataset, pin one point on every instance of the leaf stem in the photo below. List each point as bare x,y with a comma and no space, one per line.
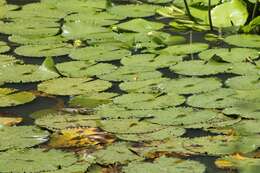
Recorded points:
209,15
255,9
188,11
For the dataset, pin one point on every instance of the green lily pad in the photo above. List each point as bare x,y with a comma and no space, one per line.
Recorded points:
183,116
246,127
190,85
158,135
99,53
165,165
200,68
12,97
44,50
28,73
148,101
244,68
222,145
233,13
129,126
40,160
244,40
132,73
6,60
160,61
4,47
116,153
132,10
232,55
221,98
61,121
184,49
142,86
35,40
84,68
73,86
140,25
92,100
78,167
244,82
242,163
21,137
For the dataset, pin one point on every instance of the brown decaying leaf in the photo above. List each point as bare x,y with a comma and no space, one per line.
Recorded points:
80,137
10,121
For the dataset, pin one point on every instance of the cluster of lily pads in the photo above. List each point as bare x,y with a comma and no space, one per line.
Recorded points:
134,88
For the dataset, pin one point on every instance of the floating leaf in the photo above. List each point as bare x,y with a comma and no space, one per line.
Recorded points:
221,98
200,68
184,49
73,86
140,25
44,50
84,68
21,137
222,145
40,160
28,73
10,121
244,40
157,135
3,47
60,121
165,165
233,13
116,153
232,55
12,97
79,137
244,82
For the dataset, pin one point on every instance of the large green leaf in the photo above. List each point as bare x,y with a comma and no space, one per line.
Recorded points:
21,137
233,13
244,40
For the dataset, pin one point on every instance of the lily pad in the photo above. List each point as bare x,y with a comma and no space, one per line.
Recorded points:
139,25
184,49
12,97
183,116
221,98
116,153
21,137
129,126
221,145
3,47
44,50
84,68
40,160
17,73
232,55
165,165
200,68
244,40
162,134
244,82
73,86
60,121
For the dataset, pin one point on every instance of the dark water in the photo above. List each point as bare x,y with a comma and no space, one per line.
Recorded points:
46,102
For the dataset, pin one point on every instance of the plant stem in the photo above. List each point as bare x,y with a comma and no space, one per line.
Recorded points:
255,10
188,11
209,15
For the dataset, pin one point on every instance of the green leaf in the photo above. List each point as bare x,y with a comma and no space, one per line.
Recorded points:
12,97
244,82
244,40
84,68
21,137
230,55
233,13
140,25
165,165
116,153
35,160
4,47
184,49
